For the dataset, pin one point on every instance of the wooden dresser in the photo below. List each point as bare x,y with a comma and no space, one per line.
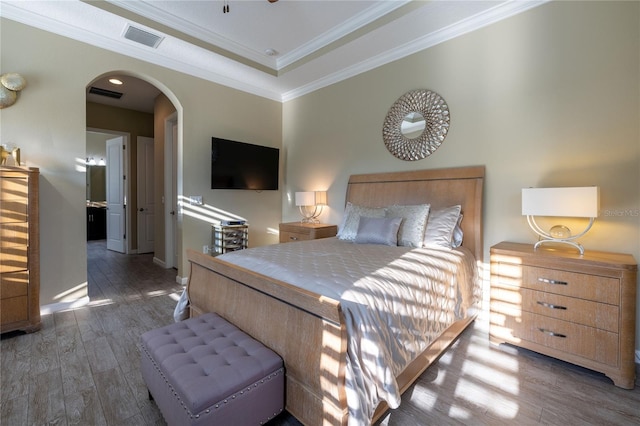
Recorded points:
298,231
581,309
20,249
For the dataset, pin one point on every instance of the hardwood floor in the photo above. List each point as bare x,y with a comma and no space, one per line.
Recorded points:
82,367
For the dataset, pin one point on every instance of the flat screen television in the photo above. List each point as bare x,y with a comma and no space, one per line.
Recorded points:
240,165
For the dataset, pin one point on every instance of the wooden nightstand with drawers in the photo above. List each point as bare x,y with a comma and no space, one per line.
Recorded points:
299,231
580,309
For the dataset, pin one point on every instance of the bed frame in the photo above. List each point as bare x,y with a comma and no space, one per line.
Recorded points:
307,329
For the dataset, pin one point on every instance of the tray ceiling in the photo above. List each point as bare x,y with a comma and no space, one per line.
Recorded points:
278,50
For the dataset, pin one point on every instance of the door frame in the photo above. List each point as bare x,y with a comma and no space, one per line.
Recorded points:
127,172
170,179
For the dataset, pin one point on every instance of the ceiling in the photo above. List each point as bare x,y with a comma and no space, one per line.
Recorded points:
278,50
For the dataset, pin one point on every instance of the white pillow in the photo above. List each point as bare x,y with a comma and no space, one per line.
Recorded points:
378,230
414,222
440,226
349,226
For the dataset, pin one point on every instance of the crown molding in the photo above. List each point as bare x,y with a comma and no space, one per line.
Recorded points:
476,22
242,77
131,49
371,15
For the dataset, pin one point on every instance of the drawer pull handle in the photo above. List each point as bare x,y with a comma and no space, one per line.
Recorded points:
550,306
294,238
548,281
551,333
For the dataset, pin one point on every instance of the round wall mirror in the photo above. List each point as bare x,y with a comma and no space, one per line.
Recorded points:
416,124
412,125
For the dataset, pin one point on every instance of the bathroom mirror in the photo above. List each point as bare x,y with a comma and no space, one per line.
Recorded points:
96,183
416,125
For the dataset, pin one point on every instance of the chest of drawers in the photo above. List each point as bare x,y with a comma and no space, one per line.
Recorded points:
580,309
19,249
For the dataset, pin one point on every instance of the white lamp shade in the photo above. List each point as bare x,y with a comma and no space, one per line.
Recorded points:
311,198
306,198
321,198
565,202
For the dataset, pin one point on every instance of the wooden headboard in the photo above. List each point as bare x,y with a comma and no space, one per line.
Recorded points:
438,187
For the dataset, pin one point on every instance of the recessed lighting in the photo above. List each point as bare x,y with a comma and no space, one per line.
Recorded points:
115,81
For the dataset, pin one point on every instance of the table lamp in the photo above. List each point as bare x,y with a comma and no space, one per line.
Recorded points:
581,202
308,203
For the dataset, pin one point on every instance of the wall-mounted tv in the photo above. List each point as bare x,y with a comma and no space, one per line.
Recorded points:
240,165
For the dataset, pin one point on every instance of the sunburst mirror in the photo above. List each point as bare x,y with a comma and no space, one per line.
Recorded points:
416,125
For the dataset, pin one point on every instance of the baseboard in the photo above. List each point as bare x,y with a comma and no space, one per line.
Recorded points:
637,368
63,306
179,279
159,262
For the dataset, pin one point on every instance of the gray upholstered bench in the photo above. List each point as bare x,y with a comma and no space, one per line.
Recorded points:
205,371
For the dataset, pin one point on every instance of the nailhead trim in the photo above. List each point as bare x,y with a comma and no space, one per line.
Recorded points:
208,410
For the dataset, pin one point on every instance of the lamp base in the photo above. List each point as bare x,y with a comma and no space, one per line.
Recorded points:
309,220
555,241
558,234
309,216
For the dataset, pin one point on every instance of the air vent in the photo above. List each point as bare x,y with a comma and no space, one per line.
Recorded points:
142,36
104,92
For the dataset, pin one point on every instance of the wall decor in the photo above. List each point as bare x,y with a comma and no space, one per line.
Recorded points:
416,125
10,84
9,156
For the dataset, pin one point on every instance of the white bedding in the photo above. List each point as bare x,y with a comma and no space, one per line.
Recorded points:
395,300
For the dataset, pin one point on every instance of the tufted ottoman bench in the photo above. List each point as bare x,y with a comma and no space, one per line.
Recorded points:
206,371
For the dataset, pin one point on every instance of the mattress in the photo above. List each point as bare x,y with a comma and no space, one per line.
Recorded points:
395,301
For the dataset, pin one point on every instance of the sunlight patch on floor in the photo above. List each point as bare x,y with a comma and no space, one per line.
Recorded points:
100,302
489,379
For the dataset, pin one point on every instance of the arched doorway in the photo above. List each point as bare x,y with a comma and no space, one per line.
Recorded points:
139,108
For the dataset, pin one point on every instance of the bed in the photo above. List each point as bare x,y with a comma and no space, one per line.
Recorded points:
310,329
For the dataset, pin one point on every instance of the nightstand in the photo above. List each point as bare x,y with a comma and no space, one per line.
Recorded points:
580,309
298,231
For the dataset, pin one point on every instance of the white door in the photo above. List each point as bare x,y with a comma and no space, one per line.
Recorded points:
115,195
146,205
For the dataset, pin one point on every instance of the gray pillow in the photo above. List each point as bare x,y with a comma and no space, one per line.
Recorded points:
440,226
378,230
414,222
349,227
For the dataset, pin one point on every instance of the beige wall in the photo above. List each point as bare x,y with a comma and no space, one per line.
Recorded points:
49,123
546,98
97,145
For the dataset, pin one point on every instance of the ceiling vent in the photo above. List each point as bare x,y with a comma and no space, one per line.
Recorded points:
142,36
104,92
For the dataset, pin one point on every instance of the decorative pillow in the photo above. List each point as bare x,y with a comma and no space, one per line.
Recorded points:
458,235
378,230
414,222
440,225
349,227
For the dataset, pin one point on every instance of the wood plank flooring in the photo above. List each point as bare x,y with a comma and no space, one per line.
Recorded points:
82,367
